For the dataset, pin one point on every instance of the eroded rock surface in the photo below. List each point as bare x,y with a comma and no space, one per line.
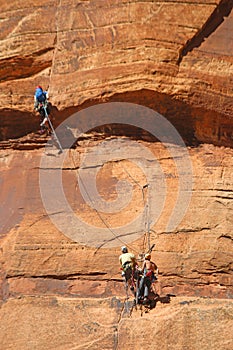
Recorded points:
90,51
62,294
68,323
195,258
174,57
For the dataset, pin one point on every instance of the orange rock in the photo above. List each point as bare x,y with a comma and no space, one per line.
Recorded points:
93,52
175,58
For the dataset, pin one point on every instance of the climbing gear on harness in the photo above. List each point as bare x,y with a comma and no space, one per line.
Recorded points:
127,270
127,264
149,273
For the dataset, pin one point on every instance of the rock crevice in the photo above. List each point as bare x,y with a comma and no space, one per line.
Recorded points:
223,10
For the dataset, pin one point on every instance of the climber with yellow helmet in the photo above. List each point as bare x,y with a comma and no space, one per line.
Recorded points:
128,263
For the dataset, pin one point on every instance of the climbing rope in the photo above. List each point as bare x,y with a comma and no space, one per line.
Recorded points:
146,204
100,216
52,128
146,239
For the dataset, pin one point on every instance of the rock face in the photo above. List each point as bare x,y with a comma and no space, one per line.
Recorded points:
91,51
61,292
44,272
74,323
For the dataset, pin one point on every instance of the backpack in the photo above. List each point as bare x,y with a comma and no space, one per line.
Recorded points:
40,95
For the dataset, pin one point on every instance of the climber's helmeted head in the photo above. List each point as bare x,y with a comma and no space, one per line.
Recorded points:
39,87
124,249
147,256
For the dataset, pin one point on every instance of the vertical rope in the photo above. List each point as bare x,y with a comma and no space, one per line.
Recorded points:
52,128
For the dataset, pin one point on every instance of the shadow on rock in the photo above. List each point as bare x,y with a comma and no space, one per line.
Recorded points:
154,299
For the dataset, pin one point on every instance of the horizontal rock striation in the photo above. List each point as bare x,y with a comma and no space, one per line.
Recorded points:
93,51
194,259
174,57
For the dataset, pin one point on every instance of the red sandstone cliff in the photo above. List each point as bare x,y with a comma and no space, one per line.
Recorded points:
174,57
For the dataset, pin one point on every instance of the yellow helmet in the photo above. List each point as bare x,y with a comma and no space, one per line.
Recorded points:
147,256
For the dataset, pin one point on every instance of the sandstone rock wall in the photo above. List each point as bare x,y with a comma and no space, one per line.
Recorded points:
195,258
89,51
93,324
174,57
58,293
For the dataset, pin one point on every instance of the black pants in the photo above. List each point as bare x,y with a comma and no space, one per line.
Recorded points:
42,112
144,287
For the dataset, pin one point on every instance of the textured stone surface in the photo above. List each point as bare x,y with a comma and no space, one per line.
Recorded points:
195,258
70,323
174,57
89,51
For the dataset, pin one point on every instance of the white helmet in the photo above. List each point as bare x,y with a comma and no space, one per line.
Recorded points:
124,249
